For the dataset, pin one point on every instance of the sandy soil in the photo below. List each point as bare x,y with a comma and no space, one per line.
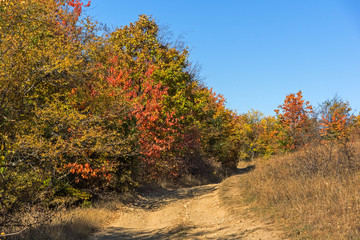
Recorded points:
203,212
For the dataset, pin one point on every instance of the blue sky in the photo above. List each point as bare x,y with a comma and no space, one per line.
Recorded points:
255,52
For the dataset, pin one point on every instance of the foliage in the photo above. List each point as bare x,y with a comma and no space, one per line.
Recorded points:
41,55
335,119
247,132
257,135
294,116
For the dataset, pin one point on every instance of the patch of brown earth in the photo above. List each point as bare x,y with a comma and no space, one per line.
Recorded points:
204,212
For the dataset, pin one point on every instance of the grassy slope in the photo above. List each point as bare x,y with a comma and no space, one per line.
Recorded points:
314,192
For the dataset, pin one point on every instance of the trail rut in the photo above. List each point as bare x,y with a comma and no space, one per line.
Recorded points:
203,212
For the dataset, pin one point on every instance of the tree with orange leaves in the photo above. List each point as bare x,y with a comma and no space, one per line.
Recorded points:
335,119
294,116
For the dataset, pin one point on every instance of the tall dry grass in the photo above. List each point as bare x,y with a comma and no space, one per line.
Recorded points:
315,192
67,224
76,224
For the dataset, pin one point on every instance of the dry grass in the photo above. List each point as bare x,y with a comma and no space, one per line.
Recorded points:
68,225
315,192
75,224
78,224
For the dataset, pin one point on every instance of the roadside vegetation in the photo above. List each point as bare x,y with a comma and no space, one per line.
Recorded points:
313,193
86,112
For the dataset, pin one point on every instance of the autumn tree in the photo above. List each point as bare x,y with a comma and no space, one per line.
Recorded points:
294,116
42,58
258,135
81,113
247,133
335,119
193,108
269,141
40,49
145,116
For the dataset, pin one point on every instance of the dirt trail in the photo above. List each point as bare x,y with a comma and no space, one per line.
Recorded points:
203,212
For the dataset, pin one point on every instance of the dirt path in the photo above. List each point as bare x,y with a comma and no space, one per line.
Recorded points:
204,212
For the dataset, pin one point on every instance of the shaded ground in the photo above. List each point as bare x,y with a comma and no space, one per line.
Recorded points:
211,211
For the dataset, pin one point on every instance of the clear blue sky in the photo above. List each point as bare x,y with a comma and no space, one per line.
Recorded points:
255,52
